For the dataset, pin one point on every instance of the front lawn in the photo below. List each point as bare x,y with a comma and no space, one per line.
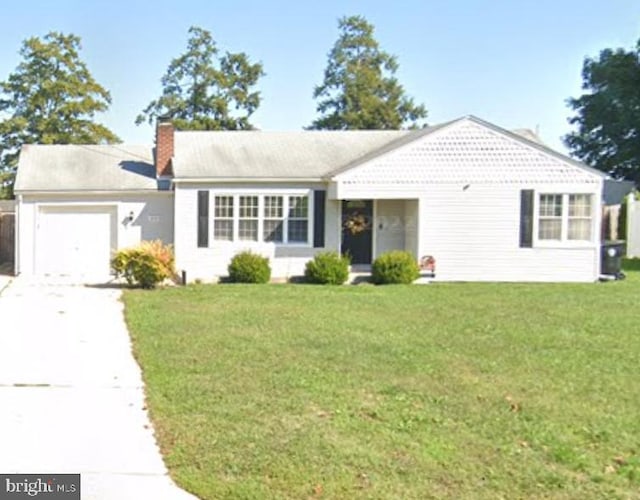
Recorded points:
436,391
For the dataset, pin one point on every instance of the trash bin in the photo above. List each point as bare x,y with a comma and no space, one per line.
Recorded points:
611,258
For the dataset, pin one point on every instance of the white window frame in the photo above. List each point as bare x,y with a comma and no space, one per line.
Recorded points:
564,240
285,194
238,218
225,218
288,218
281,219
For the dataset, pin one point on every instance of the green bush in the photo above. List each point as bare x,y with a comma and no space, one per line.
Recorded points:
248,267
146,265
327,268
395,267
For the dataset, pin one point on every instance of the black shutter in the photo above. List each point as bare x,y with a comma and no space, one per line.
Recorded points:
526,218
203,219
319,199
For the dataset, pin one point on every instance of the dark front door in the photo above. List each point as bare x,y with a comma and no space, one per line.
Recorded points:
357,230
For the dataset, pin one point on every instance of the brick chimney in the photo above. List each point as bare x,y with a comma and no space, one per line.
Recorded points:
164,148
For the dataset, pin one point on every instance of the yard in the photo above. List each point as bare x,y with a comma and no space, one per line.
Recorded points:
438,391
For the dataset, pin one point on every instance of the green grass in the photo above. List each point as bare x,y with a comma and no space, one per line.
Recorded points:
438,391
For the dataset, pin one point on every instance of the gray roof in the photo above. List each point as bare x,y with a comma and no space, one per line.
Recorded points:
616,190
114,167
223,155
400,141
273,155
528,134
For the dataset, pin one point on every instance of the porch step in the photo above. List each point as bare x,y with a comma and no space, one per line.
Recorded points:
359,277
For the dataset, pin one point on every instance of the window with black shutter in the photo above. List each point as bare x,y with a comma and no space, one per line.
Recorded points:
319,199
203,219
526,218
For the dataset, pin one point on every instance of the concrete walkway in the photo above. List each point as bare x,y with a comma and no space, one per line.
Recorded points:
71,394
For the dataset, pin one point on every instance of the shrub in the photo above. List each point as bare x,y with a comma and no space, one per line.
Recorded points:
146,265
248,267
327,268
395,267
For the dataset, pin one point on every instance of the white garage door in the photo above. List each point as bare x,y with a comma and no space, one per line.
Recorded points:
75,242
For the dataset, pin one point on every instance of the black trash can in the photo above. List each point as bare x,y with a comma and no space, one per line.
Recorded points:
611,254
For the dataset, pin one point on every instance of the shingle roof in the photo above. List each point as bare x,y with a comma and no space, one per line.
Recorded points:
528,134
464,149
85,168
276,155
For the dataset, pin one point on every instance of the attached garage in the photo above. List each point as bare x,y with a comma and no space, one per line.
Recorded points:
75,241
77,205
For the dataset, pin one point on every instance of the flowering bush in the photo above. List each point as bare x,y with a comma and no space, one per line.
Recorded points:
145,265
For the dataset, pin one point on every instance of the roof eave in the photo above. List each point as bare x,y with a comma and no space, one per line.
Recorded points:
88,191
230,180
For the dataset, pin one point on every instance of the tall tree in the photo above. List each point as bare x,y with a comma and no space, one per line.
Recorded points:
607,117
50,98
203,90
360,90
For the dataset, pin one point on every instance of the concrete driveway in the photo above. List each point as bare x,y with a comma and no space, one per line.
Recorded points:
71,394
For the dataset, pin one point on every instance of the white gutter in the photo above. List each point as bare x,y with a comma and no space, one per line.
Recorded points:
92,192
209,180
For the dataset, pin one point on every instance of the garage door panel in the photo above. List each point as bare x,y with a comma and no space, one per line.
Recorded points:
74,242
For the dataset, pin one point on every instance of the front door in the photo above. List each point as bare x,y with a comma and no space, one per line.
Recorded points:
357,230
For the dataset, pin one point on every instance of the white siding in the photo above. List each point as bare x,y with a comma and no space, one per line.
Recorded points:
390,226
152,219
467,177
211,263
412,221
474,235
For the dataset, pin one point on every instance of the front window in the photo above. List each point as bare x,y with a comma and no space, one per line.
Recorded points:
565,217
248,218
273,218
298,219
223,218
550,221
262,218
579,227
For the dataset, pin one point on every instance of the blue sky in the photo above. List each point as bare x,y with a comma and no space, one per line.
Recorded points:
512,63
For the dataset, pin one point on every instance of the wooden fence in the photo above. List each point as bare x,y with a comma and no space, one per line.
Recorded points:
7,237
7,230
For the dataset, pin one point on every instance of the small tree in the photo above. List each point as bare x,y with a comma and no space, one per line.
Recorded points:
203,90
360,90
